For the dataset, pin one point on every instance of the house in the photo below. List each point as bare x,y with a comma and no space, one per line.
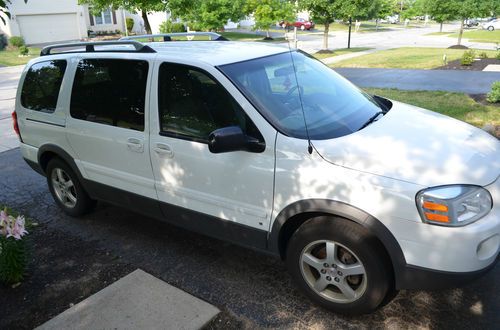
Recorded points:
48,21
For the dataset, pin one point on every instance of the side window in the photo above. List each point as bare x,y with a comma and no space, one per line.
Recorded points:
42,84
111,92
192,105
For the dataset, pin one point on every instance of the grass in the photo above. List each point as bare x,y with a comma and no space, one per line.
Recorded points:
10,57
480,36
341,51
240,36
405,58
456,105
438,33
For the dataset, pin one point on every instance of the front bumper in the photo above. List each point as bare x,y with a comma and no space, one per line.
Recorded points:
418,278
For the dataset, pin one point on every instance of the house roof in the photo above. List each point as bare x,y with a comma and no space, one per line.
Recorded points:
216,52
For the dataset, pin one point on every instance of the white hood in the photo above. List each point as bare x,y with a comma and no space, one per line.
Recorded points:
418,146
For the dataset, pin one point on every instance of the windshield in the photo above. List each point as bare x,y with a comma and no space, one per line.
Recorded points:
330,105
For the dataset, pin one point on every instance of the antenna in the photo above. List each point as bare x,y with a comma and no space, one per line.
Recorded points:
309,144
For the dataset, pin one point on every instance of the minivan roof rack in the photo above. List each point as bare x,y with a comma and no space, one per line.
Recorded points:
168,36
90,47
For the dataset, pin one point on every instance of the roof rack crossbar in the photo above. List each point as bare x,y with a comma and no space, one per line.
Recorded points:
90,47
168,36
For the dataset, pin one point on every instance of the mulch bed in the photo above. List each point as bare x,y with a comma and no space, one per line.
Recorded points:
477,65
62,271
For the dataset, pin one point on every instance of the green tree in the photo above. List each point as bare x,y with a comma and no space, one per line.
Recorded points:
323,12
464,9
208,14
440,10
268,12
4,11
355,10
144,6
382,9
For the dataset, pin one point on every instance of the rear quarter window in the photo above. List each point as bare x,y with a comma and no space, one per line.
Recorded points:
42,85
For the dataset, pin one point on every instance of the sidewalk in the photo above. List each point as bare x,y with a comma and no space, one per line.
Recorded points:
137,301
9,76
470,82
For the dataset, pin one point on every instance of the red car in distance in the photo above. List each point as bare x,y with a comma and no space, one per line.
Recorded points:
300,23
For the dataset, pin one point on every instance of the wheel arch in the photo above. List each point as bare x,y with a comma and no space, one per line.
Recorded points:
49,151
295,214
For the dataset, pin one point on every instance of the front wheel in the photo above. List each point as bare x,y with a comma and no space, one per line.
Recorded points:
66,190
339,265
491,28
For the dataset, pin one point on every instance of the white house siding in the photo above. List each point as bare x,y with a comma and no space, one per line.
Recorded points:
115,24
155,19
42,21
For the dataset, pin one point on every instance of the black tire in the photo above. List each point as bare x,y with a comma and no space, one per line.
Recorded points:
491,28
376,281
83,203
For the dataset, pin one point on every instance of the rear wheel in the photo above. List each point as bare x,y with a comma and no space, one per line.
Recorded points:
491,28
66,190
338,264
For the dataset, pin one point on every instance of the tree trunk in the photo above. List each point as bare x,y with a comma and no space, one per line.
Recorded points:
460,34
376,26
267,34
325,36
441,27
147,26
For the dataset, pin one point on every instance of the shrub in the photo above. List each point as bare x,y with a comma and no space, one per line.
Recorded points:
130,24
23,50
3,41
498,56
494,95
16,41
468,57
483,55
171,27
193,26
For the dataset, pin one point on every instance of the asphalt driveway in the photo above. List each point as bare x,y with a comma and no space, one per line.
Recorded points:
252,288
470,82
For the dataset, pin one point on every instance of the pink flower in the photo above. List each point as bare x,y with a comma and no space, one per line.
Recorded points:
12,227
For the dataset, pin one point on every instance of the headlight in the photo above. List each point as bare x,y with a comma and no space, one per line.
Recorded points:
453,206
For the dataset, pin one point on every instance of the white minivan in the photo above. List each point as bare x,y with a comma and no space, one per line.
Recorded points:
268,148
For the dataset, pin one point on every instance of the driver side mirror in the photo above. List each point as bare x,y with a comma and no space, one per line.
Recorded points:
232,138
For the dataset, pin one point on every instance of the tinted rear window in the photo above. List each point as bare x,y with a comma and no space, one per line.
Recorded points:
42,84
110,92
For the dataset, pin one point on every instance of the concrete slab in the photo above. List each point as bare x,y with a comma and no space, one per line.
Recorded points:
137,301
8,138
492,68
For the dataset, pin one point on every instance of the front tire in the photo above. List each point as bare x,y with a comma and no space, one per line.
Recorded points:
339,265
67,191
491,28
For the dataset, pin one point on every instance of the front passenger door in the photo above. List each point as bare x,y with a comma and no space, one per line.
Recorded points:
234,186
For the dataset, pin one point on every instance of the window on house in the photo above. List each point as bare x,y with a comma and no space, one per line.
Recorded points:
103,18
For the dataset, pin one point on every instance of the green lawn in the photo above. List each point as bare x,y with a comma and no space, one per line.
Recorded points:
439,33
405,58
11,57
480,36
239,36
456,105
341,51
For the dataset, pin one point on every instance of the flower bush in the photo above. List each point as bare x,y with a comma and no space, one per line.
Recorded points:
12,247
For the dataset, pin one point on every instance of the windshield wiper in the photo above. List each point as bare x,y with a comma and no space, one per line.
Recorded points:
371,120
